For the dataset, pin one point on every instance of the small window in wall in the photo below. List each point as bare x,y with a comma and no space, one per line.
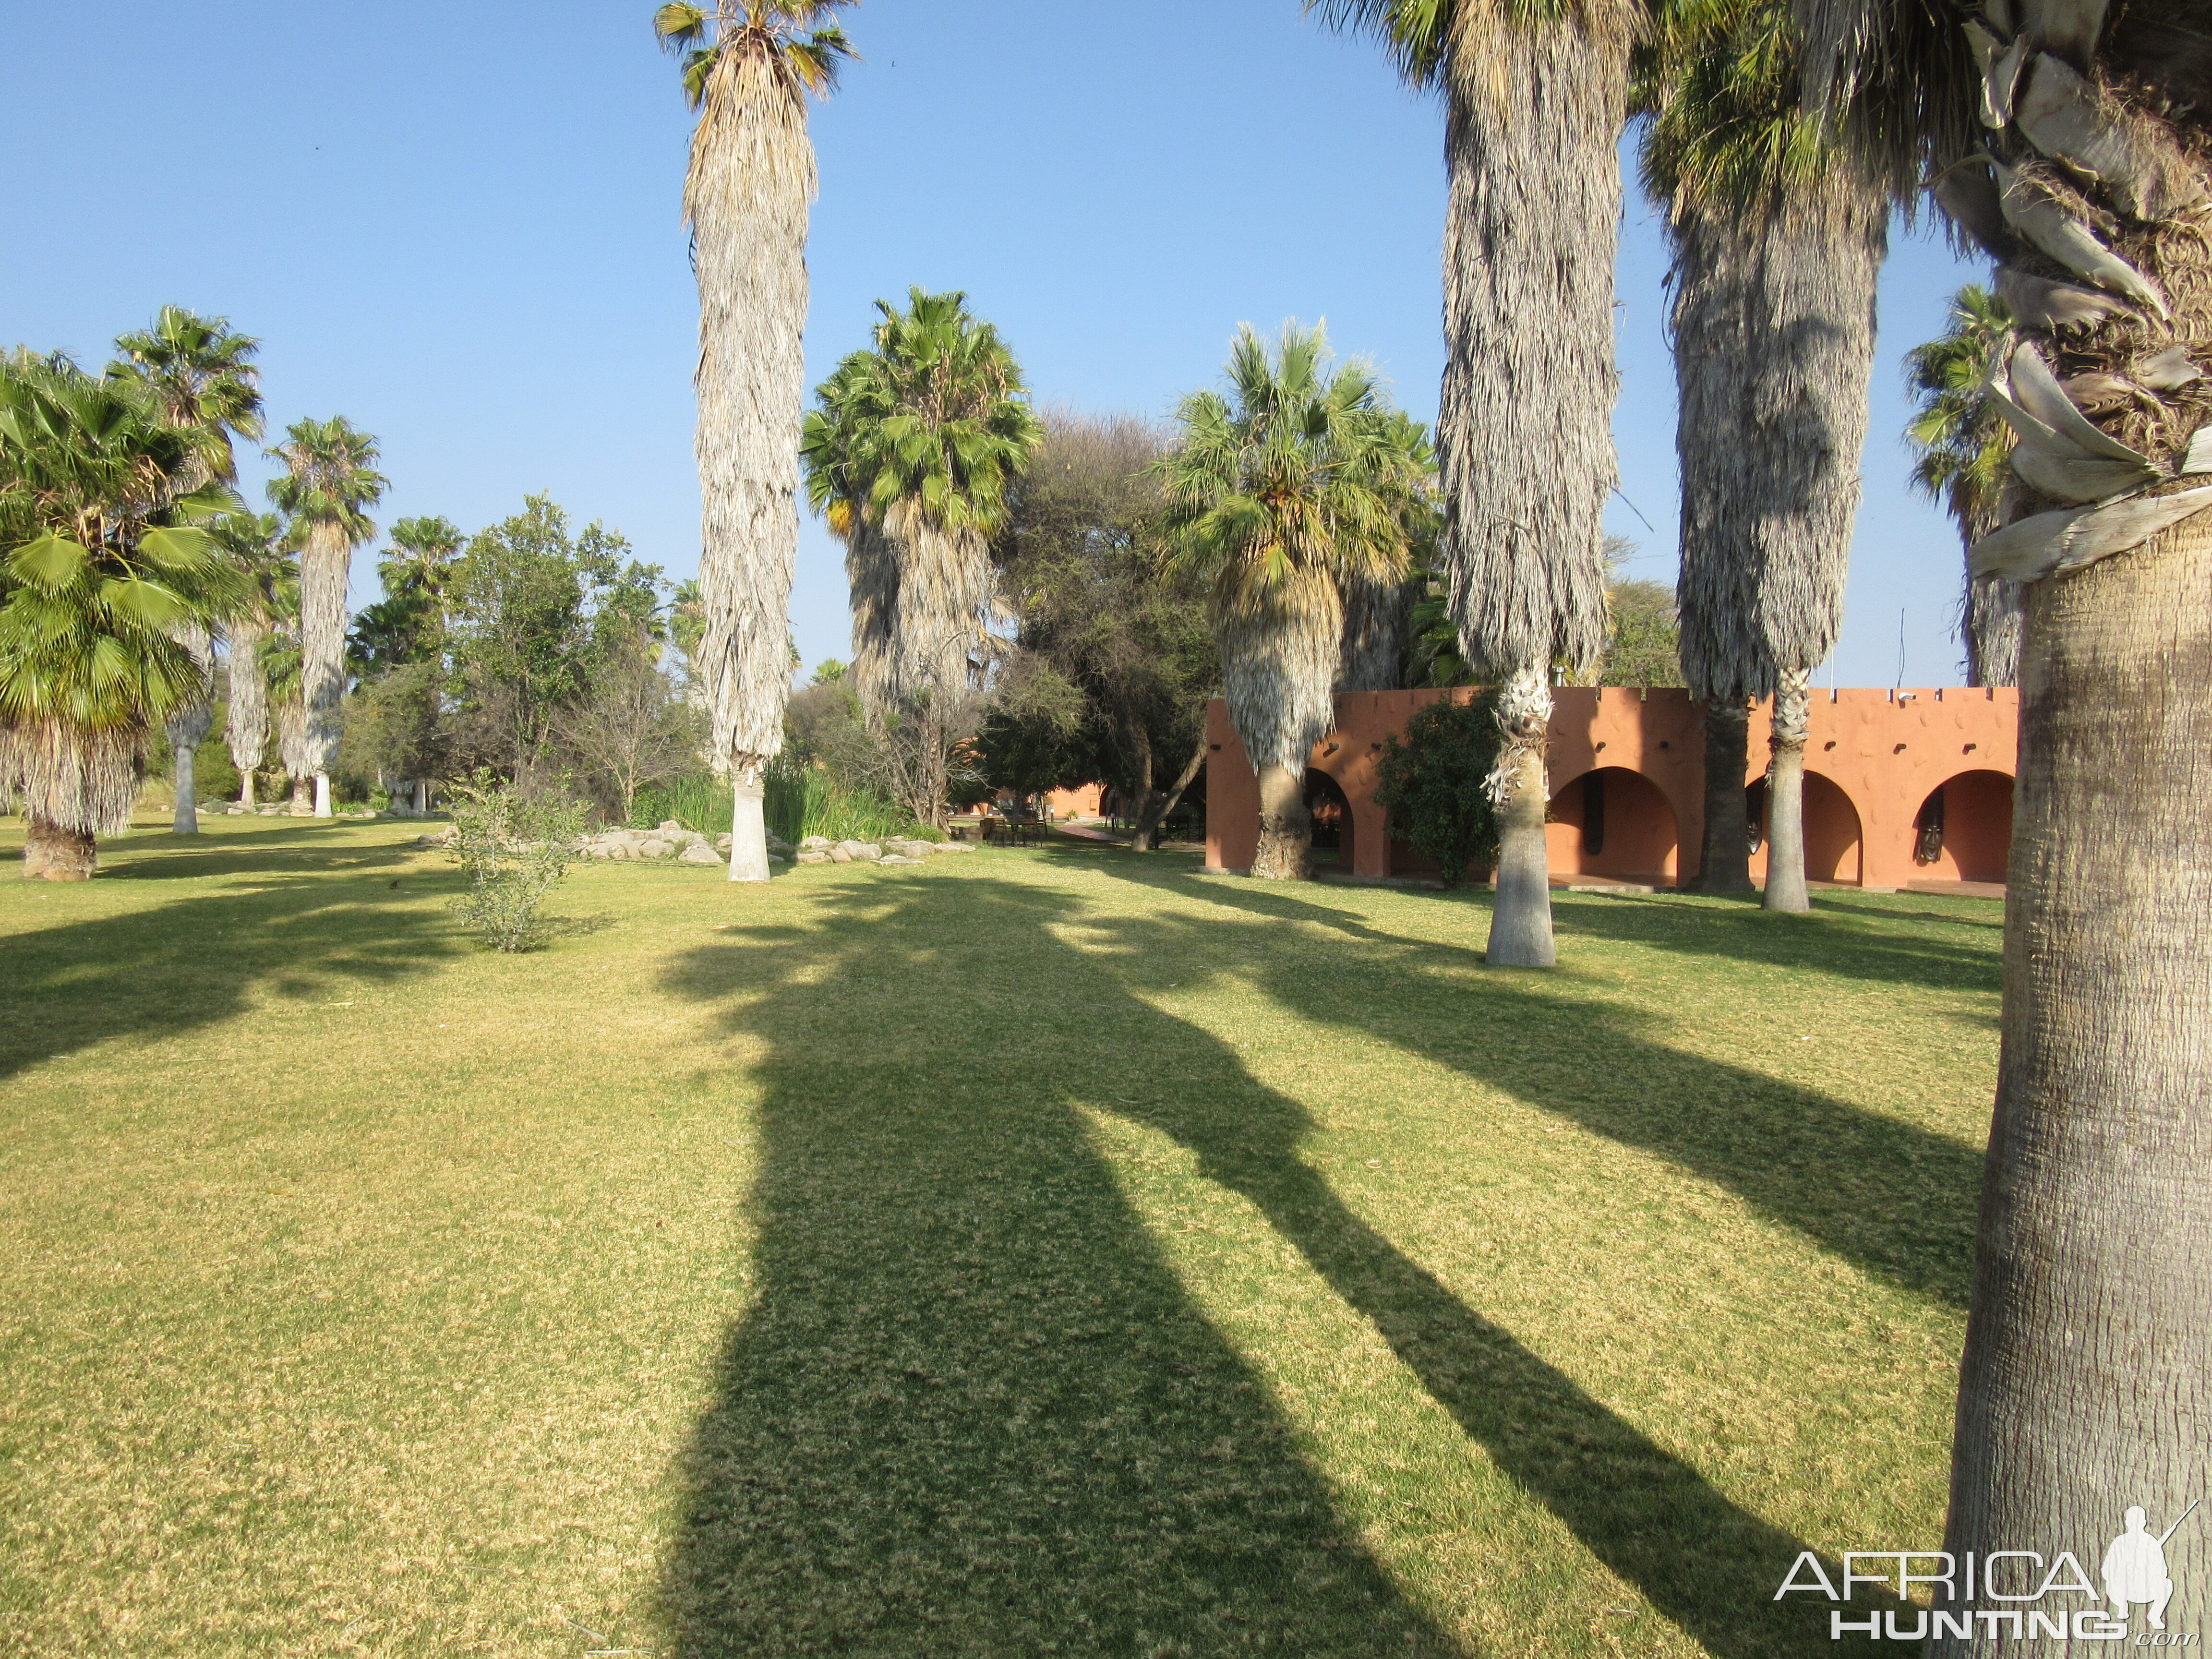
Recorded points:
1592,813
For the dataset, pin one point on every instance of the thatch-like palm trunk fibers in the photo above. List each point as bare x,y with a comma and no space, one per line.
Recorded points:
247,729
71,786
1524,431
1774,317
1279,659
188,729
325,566
747,197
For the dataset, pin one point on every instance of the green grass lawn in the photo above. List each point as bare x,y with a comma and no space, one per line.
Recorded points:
1039,1252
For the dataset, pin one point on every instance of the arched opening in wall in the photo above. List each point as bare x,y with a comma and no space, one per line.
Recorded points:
1963,831
1613,822
1332,820
1834,849
1754,813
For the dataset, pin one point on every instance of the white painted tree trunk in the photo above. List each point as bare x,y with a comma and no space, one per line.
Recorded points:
322,794
749,829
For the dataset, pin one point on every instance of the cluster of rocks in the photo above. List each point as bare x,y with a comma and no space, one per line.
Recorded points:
668,841
232,809
820,849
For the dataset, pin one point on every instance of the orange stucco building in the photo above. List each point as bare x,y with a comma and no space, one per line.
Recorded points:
1628,786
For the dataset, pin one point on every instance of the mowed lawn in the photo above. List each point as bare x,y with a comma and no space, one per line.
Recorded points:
1037,1252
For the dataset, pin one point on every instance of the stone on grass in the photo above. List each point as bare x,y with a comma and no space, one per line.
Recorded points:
815,844
812,856
862,851
654,849
700,852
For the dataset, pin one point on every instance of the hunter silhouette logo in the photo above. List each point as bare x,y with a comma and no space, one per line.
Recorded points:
2000,1594
2134,1568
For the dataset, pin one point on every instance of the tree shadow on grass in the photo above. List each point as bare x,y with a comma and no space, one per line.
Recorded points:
157,971
1895,1200
971,1411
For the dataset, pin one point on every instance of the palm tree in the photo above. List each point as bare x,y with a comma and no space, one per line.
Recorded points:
103,566
1966,462
748,68
1536,92
203,376
328,485
910,455
256,543
2076,160
1779,225
1301,480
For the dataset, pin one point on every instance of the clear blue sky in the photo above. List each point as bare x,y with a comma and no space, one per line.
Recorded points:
458,226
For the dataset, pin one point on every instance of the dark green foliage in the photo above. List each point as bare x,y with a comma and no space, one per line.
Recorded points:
515,847
1645,649
1436,785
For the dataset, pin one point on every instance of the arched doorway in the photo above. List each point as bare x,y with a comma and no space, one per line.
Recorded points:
1834,843
1963,831
1332,820
1613,822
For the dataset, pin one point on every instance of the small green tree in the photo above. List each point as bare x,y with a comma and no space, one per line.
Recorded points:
515,848
1436,784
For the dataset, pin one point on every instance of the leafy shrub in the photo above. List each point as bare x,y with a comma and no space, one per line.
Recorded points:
515,848
1436,785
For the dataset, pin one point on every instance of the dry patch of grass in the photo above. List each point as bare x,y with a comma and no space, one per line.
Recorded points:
1037,1252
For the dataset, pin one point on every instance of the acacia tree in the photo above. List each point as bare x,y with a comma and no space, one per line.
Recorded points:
1302,478
104,566
748,68
1966,462
328,485
1779,225
2076,158
910,454
203,377
1080,565
1536,92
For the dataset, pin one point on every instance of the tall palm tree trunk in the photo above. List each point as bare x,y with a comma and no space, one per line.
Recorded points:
2087,1383
1785,795
1995,610
187,729
1525,440
1725,860
1774,317
1277,663
747,195
247,730
326,563
72,786
298,752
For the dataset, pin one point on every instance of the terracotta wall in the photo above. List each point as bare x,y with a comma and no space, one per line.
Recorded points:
1874,759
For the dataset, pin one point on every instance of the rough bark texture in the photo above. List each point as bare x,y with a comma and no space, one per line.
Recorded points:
1992,625
1378,626
51,853
1520,920
747,195
325,563
303,797
1525,455
1285,849
246,788
1279,657
85,782
2086,1384
186,820
247,730
1725,860
1785,797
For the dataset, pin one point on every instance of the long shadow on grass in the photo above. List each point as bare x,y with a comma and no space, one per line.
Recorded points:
971,1411
159,969
1895,1200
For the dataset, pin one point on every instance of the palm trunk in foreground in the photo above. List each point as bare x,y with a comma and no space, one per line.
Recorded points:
1724,861
747,194
1525,433
1785,797
1521,925
53,853
1278,653
71,787
325,565
2086,1384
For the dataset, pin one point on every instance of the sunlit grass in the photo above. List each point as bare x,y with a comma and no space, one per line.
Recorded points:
1028,1252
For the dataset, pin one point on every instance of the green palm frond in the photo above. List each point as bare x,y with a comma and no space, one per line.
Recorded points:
1964,447
203,376
800,37
329,478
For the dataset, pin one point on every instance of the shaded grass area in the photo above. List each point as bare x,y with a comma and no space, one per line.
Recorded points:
1032,1252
